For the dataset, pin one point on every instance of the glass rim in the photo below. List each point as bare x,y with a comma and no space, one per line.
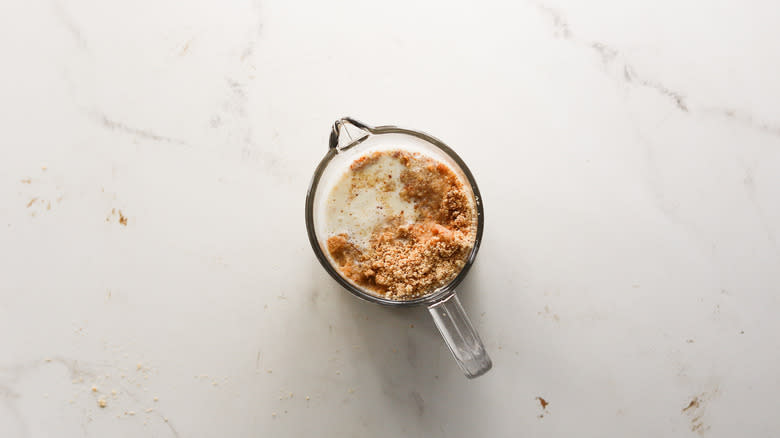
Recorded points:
427,299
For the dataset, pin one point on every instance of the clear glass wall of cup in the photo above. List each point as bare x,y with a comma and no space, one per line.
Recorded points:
351,139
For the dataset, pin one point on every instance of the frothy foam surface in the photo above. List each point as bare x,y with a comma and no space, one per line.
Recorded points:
361,201
400,224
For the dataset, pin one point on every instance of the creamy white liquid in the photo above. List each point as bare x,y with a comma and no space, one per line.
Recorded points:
358,212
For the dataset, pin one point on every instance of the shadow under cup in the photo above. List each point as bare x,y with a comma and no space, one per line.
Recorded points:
350,140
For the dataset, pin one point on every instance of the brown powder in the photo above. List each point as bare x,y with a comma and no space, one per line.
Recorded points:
365,160
382,180
407,260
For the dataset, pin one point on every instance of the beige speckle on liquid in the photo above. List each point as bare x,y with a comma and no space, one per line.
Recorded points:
94,389
102,403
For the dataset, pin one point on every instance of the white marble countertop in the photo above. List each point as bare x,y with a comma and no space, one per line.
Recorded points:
153,166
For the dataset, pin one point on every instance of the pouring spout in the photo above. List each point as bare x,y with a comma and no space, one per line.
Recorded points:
348,132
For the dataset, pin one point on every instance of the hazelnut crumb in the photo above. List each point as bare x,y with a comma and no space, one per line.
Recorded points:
94,389
102,403
405,261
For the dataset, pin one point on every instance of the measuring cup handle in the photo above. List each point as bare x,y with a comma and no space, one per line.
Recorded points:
460,336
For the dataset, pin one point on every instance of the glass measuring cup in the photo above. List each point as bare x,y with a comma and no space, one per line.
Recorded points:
350,139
